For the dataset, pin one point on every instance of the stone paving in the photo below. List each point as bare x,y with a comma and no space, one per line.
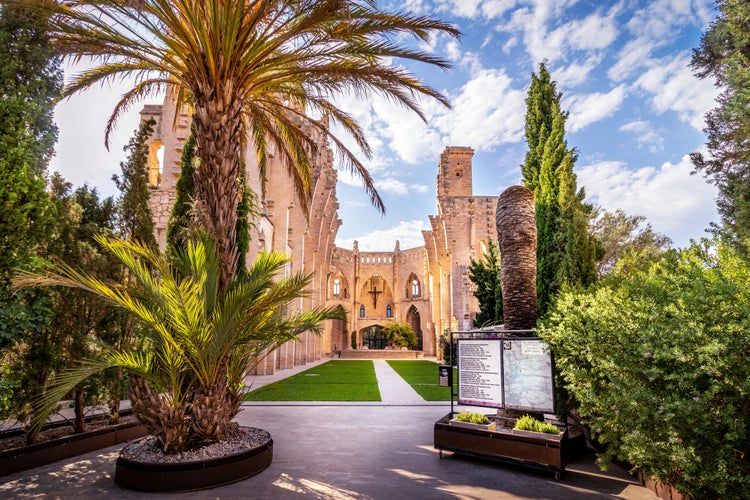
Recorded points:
346,451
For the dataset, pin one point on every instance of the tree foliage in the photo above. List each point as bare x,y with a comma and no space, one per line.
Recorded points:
724,54
400,335
485,274
30,83
136,219
565,250
182,218
619,234
199,342
657,360
251,69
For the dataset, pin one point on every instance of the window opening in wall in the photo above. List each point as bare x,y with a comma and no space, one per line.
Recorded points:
336,287
362,311
415,288
388,311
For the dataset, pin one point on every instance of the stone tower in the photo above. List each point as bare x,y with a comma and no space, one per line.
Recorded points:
461,231
454,176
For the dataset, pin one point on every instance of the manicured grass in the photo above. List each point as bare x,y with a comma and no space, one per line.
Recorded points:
339,380
422,376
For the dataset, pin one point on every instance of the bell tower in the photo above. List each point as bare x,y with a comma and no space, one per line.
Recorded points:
454,175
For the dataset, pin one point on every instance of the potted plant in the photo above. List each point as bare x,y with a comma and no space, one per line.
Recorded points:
473,420
531,427
199,343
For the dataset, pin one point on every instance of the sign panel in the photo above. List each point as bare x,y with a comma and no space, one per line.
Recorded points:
527,375
479,373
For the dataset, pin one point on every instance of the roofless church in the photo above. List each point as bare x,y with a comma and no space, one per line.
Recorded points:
427,287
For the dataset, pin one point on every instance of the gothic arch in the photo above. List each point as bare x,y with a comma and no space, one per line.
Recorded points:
339,334
413,287
415,322
376,295
338,287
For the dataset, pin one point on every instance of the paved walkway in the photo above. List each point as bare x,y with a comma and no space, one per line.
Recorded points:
394,389
352,451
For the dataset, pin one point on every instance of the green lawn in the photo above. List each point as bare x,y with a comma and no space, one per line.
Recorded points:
350,380
422,375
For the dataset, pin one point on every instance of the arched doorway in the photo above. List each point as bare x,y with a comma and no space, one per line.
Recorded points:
373,337
338,333
414,321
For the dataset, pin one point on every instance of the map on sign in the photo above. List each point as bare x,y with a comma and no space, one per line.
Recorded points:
508,372
527,375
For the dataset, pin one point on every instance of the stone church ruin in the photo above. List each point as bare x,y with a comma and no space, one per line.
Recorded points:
427,287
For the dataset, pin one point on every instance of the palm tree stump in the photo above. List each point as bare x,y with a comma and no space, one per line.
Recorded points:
517,238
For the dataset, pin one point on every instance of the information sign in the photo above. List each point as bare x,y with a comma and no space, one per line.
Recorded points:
479,373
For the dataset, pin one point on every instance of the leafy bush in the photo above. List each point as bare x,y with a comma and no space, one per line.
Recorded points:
529,423
400,335
473,418
657,360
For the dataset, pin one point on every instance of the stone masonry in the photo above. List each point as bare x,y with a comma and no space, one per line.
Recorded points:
427,287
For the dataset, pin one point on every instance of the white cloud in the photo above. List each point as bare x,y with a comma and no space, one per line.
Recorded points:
488,112
645,135
475,9
586,109
395,186
550,33
675,88
408,233
656,26
676,203
576,73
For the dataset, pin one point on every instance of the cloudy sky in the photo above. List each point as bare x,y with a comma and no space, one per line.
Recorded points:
636,112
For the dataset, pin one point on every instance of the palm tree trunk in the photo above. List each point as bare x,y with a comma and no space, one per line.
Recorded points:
168,422
516,234
218,136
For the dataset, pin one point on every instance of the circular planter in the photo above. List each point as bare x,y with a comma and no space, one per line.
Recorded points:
195,475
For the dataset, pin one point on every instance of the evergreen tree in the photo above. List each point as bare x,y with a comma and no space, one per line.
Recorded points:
565,250
485,274
30,83
724,53
181,217
136,219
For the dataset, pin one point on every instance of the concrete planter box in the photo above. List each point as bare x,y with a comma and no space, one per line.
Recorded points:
531,449
36,455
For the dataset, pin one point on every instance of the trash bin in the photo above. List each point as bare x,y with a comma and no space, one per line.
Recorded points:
445,375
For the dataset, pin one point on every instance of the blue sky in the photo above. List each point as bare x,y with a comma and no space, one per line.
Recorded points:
636,112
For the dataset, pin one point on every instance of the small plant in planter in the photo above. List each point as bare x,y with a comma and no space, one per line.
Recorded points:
529,423
471,419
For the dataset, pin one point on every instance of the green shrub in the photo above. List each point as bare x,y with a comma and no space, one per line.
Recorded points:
400,335
657,361
473,418
528,423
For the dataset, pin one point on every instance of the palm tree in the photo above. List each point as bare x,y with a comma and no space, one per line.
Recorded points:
199,342
249,69
516,236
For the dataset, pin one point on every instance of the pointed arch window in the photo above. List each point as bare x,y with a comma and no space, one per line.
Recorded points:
415,287
362,311
388,311
336,287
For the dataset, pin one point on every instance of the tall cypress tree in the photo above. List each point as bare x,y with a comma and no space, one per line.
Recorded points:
181,217
30,83
724,54
136,218
565,250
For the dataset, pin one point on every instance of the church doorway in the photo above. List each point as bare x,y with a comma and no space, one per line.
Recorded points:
373,337
338,333
414,321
